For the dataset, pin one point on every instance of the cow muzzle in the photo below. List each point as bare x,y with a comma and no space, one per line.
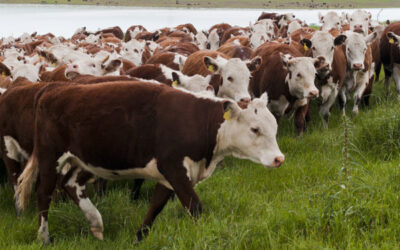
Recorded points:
278,161
357,66
313,94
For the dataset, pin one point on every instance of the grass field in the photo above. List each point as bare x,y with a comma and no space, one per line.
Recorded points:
337,4
339,188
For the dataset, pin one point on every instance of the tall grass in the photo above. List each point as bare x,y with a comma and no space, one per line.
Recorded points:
339,188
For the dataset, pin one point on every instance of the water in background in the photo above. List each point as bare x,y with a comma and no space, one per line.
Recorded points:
65,19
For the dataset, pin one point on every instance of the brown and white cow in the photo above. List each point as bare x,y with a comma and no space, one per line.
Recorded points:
167,142
288,78
331,20
359,67
390,56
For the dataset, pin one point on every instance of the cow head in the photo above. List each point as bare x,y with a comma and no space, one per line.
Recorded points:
260,32
133,51
356,47
235,75
92,66
323,44
301,75
359,21
201,40
213,41
250,133
196,83
330,21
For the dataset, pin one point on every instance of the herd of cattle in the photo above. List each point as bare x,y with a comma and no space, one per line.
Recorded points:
169,105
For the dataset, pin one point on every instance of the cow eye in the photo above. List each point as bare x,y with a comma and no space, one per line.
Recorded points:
94,66
366,19
136,51
298,75
351,19
313,48
338,23
332,48
230,79
255,131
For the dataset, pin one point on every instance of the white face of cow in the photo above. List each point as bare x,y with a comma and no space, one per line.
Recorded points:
196,83
301,76
251,133
133,51
29,71
356,47
213,40
285,19
323,45
359,21
201,40
235,75
92,66
330,21
262,31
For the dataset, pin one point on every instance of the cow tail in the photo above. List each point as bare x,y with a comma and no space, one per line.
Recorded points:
25,183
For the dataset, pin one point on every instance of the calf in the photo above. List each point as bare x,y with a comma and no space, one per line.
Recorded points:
288,78
359,70
175,138
329,83
331,20
234,72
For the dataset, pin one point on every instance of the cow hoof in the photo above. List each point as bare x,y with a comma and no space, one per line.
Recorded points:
98,233
355,112
18,211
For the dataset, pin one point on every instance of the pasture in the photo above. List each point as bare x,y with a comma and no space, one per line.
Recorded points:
338,188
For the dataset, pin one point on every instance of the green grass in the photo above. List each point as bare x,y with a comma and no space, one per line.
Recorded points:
336,4
316,200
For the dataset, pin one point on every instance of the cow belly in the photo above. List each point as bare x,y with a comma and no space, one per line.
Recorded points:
14,150
150,171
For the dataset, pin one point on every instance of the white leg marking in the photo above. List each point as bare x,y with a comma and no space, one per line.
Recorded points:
14,150
44,231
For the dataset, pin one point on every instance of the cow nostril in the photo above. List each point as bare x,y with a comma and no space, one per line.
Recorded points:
278,161
357,65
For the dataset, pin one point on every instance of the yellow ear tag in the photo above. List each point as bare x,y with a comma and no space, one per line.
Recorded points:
40,57
180,68
211,68
391,40
228,115
175,83
305,47
3,73
54,64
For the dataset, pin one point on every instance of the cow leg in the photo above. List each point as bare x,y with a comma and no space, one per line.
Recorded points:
299,118
45,189
136,189
362,82
327,104
342,100
13,172
396,77
367,93
388,79
159,199
75,186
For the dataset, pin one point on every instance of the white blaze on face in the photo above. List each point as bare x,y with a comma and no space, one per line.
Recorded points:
262,31
235,77
301,76
213,40
356,47
201,40
293,26
251,134
135,31
359,21
323,45
133,51
29,71
331,20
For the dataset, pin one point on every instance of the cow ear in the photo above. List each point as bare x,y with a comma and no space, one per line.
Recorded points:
339,40
113,65
306,43
393,38
321,17
371,37
175,79
264,97
254,64
231,110
211,64
4,70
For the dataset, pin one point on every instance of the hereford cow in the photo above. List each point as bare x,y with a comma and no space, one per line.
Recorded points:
288,78
390,56
331,20
158,144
